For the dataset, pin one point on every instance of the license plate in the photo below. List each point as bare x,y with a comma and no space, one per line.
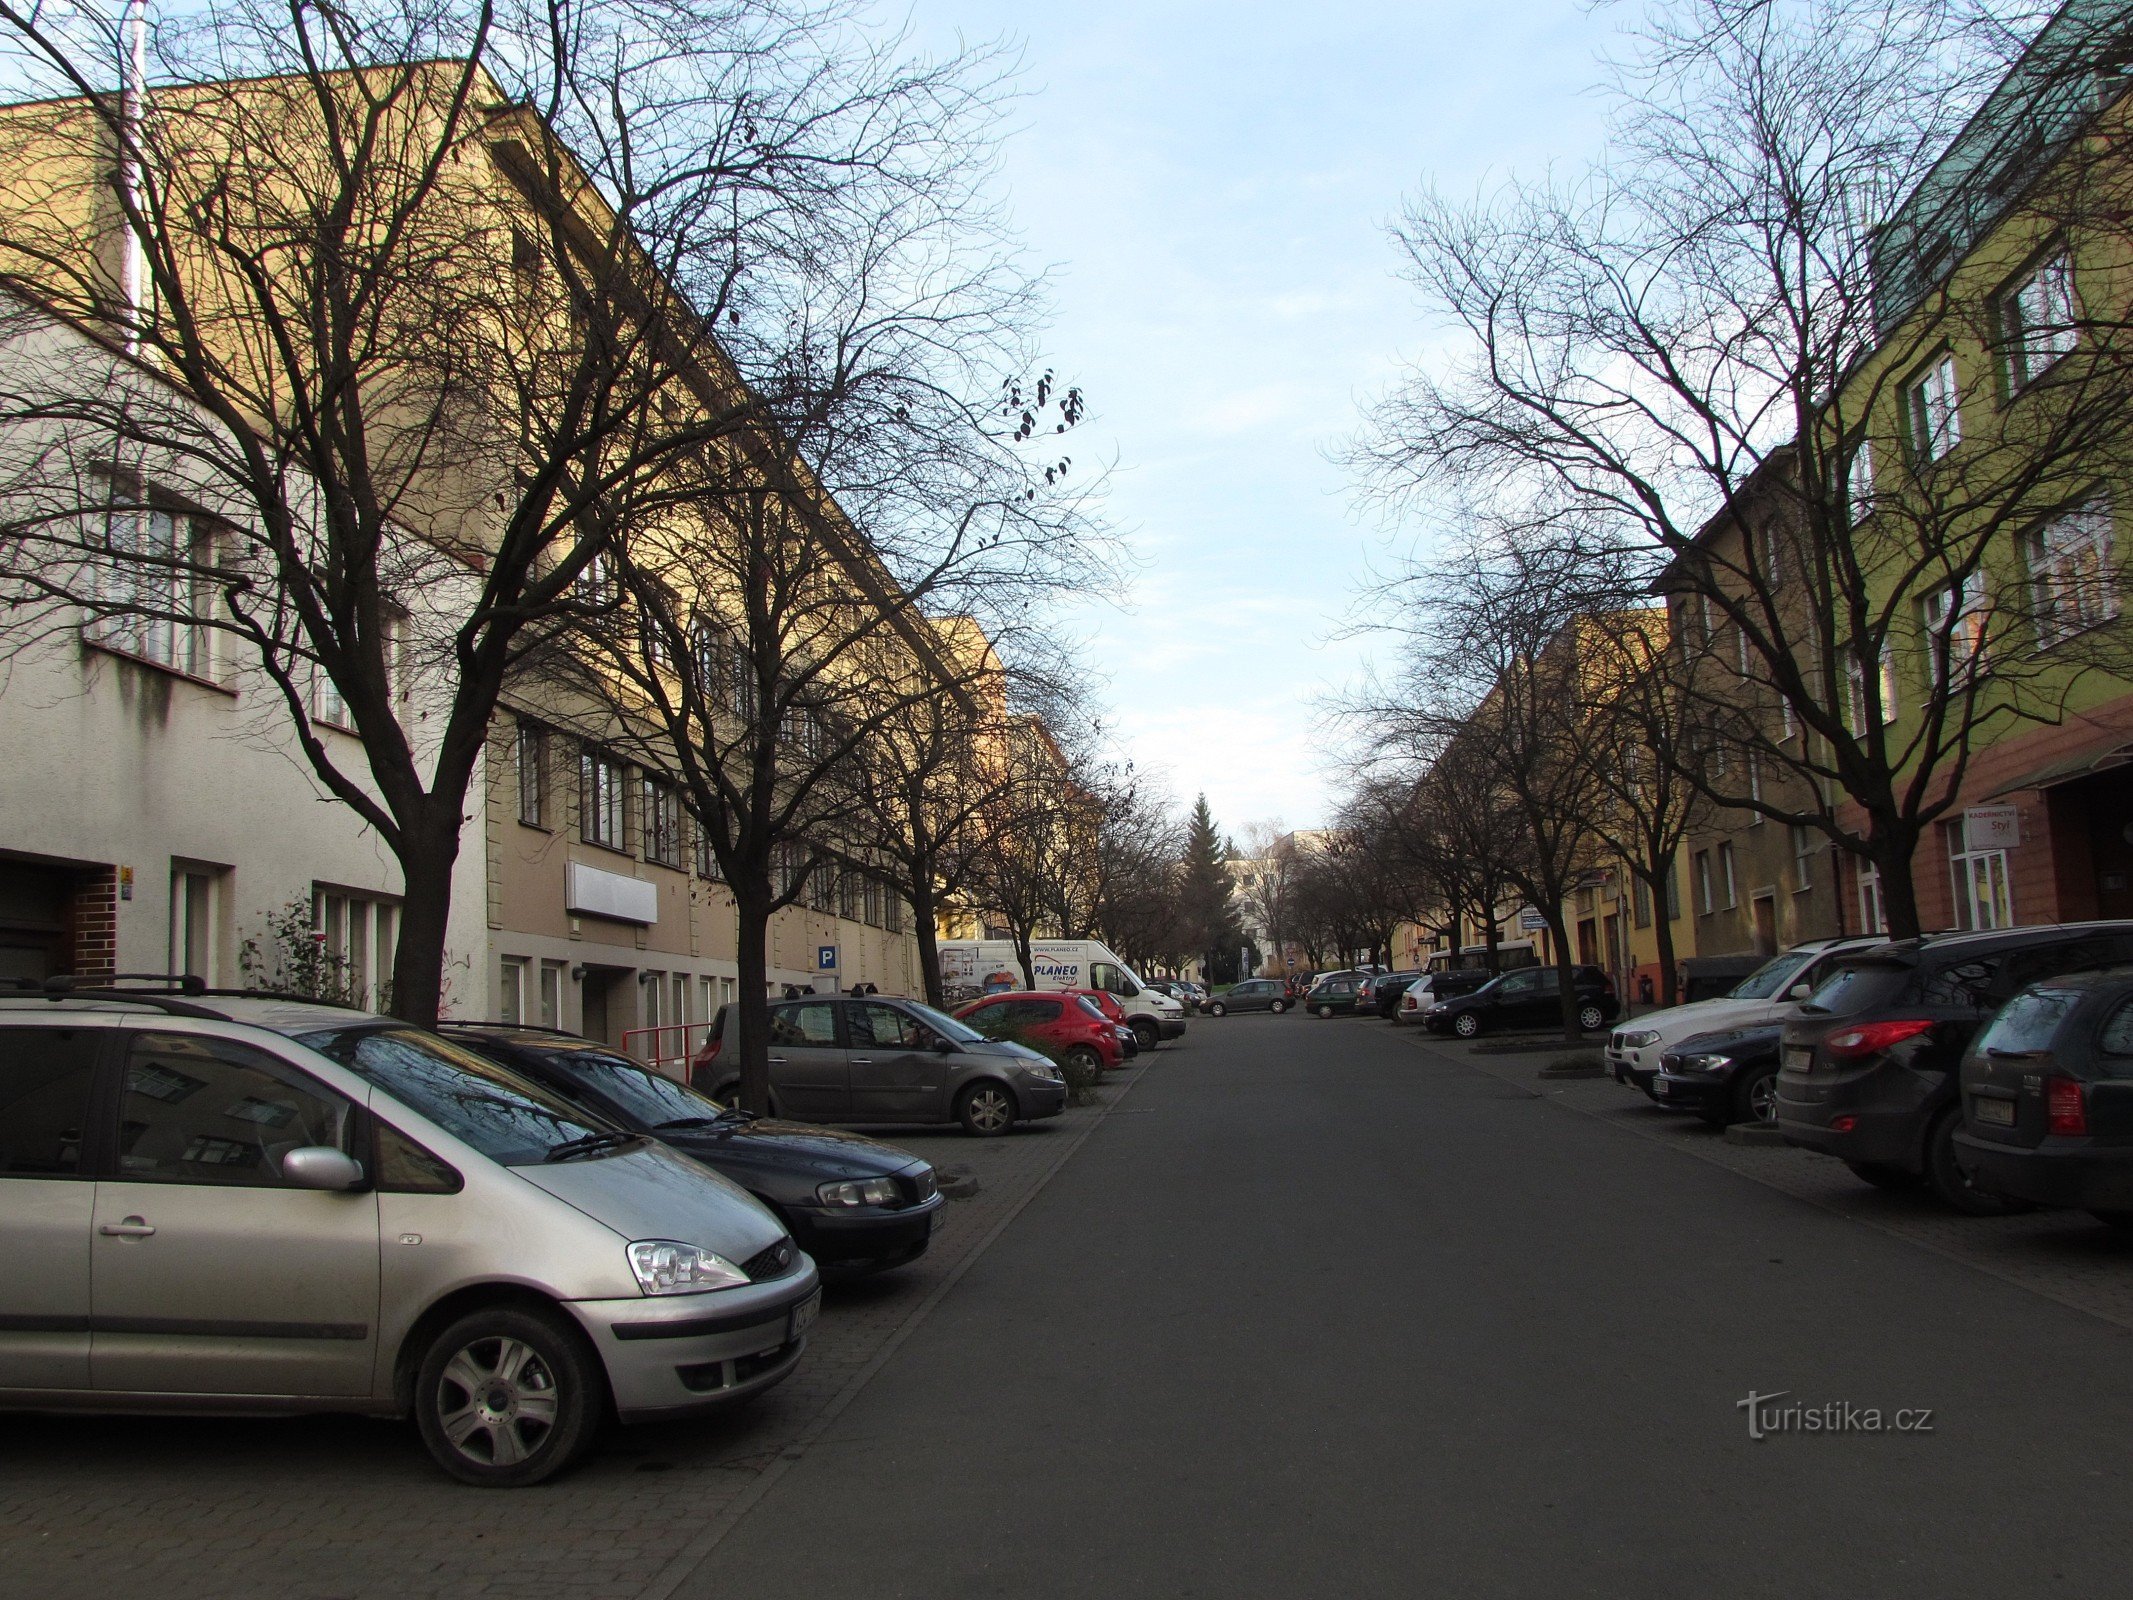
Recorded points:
1798,1059
803,1317
1659,1087
1999,1111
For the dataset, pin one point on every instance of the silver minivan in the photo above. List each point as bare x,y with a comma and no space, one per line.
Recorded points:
235,1205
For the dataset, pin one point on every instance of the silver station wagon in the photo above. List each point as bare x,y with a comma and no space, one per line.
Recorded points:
216,1204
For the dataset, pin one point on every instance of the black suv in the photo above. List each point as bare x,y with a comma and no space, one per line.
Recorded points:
1869,1061
1527,998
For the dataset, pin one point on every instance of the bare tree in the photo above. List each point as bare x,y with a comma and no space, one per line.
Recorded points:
1723,350
441,289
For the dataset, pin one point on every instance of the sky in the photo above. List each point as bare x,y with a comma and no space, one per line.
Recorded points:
1213,183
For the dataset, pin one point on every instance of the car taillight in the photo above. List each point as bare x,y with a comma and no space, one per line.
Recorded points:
2066,1106
1870,1038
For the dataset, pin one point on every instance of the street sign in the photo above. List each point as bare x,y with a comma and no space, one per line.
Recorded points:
825,958
1991,828
1530,920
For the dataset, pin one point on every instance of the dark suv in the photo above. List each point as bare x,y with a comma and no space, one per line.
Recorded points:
1869,1061
1530,997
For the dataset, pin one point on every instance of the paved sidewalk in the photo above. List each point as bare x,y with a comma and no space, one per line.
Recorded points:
2063,1255
340,1508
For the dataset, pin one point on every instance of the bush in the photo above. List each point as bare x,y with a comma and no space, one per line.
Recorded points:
1080,1081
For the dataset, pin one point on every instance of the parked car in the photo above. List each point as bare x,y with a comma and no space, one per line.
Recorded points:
1253,994
854,1204
1870,1071
1431,987
878,1060
286,1206
2048,1098
1527,998
1724,1077
1129,1044
970,967
1062,1022
1385,993
1186,993
1770,993
1334,994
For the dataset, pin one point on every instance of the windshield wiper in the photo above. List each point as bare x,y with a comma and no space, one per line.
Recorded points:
735,1114
685,1122
587,1144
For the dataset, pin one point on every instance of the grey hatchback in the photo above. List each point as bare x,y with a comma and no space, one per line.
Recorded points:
875,1060
244,1205
1254,994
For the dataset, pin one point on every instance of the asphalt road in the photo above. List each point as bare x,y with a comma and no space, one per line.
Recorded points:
1319,1311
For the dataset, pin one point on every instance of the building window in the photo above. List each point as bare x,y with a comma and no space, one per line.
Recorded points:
600,800
822,888
357,935
595,587
511,992
662,824
551,994
1859,481
848,895
1755,786
2037,322
1725,873
1932,411
2072,578
1804,845
785,867
1983,898
871,892
1701,864
892,912
157,579
1954,616
1641,902
532,775
1855,685
1871,917
195,896
1673,892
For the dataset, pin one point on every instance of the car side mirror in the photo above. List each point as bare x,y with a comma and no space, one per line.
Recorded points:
943,1047
1799,991
318,1166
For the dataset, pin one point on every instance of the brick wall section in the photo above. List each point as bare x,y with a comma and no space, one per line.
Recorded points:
92,924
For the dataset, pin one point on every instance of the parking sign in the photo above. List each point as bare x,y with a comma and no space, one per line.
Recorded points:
825,958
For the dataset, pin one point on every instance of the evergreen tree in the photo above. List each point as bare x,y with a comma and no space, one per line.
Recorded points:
1205,896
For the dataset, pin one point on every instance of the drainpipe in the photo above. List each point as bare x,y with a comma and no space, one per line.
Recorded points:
134,286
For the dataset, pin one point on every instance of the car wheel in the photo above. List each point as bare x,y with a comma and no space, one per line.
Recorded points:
1278,1007
508,1396
1466,1025
1881,1175
1755,1097
1325,1011
1082,1059
1946,1178
1591,1018
1147,1032
1217,1009
986,1110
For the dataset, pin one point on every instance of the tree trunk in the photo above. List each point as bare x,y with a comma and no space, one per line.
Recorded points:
1891,852
751,903
1022,954
1565,971
1663,927
428,854
929,944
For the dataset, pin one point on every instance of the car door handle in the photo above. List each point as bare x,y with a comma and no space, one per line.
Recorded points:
861,1061
777,1061
131,1228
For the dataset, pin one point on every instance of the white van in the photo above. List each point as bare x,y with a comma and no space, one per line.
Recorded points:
974,967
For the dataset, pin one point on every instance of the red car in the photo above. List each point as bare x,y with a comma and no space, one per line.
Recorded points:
1106,1002
1054,1021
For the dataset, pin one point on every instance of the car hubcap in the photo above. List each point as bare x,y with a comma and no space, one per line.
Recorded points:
1763,1100
496,1401
1466,1026
988,1110
1589,1018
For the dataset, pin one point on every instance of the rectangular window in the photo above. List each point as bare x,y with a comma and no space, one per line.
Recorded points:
1701,863
785,867
892,912
1855,685
1641,901
655,989
600,800
822,889
872,895
551,994
532,775
1859,481
662,824
1871,917
511,992
848,896
1983,898
595,587
194,903
1725,872
1755,786
1804,845
1932,411
2072,575
2037,322
1954,618
357,935
706,857
1673,892
157,579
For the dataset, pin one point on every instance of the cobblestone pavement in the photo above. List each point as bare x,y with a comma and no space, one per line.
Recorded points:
2063,1255
108,1508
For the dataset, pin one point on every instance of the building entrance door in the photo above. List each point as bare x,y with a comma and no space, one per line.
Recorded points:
2109,798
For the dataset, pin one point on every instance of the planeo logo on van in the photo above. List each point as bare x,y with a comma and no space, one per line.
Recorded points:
1060,971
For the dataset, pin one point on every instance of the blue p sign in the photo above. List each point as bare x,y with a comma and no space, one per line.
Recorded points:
825,958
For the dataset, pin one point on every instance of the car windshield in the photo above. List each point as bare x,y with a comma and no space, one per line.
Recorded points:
946,1026
2026,1023
488,1107
1853,988
1772,977
650,1098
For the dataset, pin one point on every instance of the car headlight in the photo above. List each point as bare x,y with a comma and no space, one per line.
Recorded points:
1040,1068
864,1192
1638,1040
667,1266
1702,1063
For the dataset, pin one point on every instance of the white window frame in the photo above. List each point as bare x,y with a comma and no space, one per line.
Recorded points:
603,808
532,758
159,562
1804,849
662,823
1859,481
1725,863
511,990
1700,864
359,933
1933,410
1983,890
2073,577
1855,692
196,896
2039,322
1873,916
1966,634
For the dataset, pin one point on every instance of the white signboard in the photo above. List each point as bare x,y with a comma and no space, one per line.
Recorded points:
1991,828
1531,921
